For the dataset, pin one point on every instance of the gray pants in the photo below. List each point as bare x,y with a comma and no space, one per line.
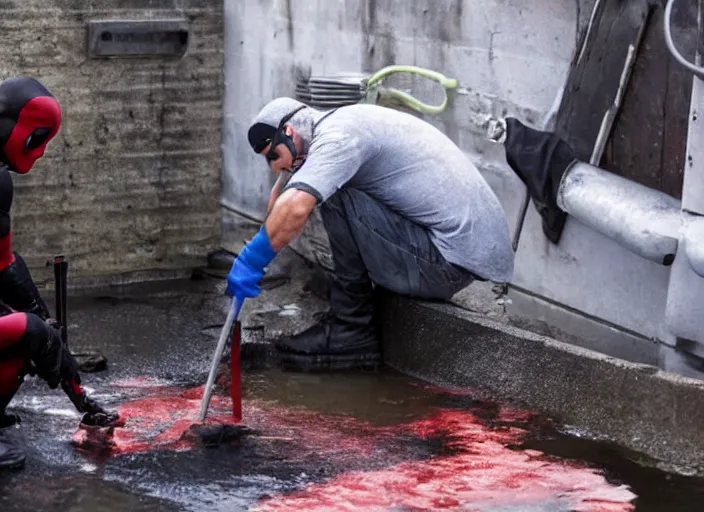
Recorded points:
372,243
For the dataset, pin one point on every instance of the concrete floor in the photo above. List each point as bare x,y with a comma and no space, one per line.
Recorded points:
368,441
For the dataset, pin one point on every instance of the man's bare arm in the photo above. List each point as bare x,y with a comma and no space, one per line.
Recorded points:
280,183
288,216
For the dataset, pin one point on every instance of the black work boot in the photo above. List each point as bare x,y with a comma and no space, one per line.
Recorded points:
9,419
11,455
331,344
345,339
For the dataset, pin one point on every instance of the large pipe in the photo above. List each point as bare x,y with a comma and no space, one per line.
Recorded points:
643,220
693,234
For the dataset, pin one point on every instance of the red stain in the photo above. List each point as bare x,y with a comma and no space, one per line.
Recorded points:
156,422
161,422
482,471
479,470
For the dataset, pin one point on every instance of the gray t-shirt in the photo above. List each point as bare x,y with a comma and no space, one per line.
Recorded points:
417,171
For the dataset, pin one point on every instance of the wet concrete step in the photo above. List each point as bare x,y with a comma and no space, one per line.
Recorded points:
637,406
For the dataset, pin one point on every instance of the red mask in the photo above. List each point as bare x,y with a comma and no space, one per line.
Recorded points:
29,118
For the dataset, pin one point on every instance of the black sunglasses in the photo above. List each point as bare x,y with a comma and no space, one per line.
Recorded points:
272,154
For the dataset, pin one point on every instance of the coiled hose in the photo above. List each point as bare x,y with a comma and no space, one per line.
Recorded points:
376,90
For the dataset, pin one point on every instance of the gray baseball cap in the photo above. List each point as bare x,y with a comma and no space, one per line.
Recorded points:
267,122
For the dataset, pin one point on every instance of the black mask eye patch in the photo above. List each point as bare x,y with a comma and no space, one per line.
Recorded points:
37,138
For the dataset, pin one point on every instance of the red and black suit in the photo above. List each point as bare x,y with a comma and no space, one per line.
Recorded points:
29,118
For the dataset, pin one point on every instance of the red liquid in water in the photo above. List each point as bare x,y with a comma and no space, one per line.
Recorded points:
482,471
479,470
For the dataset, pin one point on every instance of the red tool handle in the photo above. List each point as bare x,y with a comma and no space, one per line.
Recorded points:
235,373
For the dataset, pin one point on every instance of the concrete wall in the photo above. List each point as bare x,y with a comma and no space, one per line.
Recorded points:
504,54
511,58
132,180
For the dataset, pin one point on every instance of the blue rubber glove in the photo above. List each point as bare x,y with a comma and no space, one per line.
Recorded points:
248,268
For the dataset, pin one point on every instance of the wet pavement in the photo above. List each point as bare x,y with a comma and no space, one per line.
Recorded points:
367,441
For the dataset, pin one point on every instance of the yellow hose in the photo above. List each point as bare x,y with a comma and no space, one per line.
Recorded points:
374,87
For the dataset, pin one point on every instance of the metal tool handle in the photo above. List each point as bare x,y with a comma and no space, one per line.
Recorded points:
61,295
219,349
73,390
236,372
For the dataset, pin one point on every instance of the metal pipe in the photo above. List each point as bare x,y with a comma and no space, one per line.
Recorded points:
693,234
607,121
588,32
232,316
643,220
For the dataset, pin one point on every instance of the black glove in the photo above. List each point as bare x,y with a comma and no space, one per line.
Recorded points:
17,289
94,408
45,349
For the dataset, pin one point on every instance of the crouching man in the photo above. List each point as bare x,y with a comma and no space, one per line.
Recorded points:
403,208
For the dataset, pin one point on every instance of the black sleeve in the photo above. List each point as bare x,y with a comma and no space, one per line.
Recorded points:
17,289
6,193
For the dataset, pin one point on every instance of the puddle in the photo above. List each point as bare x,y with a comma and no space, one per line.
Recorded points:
374,441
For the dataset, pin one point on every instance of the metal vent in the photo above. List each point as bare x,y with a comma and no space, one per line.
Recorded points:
332,91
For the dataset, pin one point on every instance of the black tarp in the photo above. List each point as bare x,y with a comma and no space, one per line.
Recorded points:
540,159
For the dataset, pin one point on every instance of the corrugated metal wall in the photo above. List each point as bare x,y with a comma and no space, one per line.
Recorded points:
132,182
